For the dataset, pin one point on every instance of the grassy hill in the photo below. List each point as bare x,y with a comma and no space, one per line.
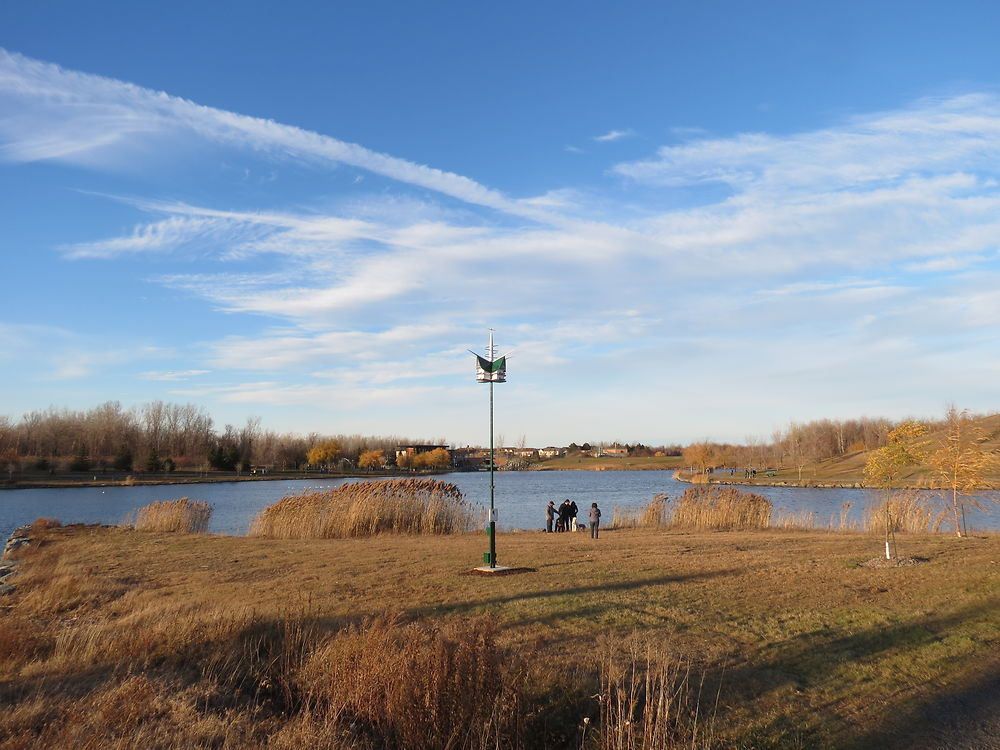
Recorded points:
848,470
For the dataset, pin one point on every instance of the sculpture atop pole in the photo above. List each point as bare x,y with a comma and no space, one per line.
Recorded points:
491,369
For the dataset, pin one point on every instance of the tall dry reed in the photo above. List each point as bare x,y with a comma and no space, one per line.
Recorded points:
411,686
651,700
184,515
360,509
654,514
807,520
713,508
909,512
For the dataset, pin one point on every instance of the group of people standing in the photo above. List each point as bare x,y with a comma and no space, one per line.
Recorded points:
563,518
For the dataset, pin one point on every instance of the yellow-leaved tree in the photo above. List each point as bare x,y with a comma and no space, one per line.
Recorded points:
325,454
885,465
371,459
959,464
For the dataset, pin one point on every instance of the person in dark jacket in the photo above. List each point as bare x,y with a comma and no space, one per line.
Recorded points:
573,512
595,520
564,514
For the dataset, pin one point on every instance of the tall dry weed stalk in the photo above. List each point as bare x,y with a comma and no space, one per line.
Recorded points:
651,700
712,508
184,515
361,509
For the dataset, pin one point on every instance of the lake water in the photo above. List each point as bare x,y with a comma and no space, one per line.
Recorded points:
520,498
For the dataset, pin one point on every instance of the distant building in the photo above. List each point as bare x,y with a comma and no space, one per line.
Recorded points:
551,452
616,452
412,450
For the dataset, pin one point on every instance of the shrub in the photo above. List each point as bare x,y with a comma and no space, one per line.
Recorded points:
360,509
186,516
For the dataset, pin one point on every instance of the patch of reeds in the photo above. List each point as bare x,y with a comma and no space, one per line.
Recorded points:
226,679
807,520
410,686
183,516
361,509
655,514
41,525
651,700
909,512
715,508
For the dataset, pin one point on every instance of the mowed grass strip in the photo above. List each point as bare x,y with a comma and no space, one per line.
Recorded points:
805,648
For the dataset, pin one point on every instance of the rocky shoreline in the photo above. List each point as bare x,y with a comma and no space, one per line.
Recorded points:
8,564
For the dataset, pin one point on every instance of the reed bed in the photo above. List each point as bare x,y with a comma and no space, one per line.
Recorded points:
182,516
655,514
909,512
411,686
805,520
362,509
714,508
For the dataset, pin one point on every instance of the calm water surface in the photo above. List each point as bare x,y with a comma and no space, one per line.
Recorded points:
521,498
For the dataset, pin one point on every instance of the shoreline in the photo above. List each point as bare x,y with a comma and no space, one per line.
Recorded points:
73,483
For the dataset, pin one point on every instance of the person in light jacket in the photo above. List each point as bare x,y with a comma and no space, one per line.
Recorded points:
595,521
550,515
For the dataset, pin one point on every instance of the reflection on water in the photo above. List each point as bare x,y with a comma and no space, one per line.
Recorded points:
521,498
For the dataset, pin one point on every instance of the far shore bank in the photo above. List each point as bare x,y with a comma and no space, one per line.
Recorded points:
768,482
119,480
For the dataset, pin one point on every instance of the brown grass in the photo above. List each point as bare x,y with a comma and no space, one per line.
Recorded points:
118,639
362,509
180,516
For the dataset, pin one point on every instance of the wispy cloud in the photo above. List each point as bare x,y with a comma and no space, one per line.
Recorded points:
174,375
931,137
613,135
94,114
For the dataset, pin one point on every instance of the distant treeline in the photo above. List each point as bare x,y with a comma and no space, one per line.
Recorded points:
160,436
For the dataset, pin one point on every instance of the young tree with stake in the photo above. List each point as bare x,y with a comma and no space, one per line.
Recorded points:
885,465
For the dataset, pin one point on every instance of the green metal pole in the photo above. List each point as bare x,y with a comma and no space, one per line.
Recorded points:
493,523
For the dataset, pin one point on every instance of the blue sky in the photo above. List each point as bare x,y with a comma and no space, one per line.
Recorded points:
687,219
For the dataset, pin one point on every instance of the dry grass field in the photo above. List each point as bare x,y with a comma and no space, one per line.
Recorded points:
767,639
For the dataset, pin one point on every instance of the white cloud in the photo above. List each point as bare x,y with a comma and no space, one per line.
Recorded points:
76,117
613,135
932,136
174,375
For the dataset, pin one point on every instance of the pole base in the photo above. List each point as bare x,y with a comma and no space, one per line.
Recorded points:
496,569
